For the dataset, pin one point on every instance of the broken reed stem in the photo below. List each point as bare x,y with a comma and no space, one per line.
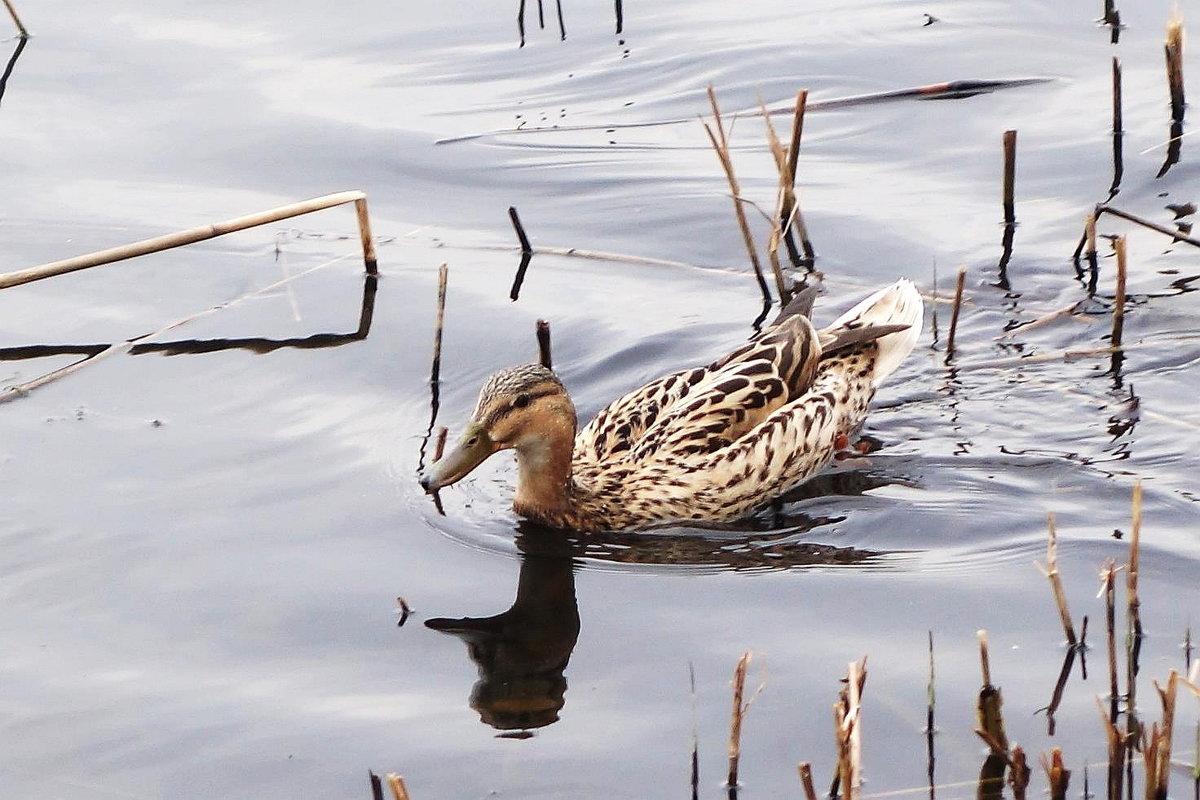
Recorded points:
954,311
396,784
12,12
806,780
1018,773
1173,47
1118,321
1089,235
989,715
1051,572
435,373
739,713
1116,742
439,446
1010,172
1058,776
543,340
720,143
526,247
193,235
1156,747
847,713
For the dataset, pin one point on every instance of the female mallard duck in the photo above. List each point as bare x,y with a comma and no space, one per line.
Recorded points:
711,443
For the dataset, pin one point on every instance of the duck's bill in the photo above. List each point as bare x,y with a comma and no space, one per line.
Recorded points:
467,454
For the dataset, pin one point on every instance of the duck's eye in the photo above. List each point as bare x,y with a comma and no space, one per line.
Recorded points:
521,401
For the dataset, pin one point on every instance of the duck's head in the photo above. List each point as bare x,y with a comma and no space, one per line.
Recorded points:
523,408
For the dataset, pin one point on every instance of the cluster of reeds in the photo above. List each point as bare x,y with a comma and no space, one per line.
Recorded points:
786,222
1006,764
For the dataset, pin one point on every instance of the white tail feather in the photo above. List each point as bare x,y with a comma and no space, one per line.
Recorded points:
898,304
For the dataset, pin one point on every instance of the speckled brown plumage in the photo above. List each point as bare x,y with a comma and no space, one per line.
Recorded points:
710,443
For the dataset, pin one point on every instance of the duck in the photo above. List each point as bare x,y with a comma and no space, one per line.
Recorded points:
707,444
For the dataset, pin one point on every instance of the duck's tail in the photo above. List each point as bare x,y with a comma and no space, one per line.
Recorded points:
898,304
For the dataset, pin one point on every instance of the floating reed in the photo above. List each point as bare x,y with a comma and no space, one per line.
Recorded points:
193,235
543,340
1058,776
435,372
1118,318
958,294
1173,47
1010,172
739,714
720,143
12,12
1051,572
1174,233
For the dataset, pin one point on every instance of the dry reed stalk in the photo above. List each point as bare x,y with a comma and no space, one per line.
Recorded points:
1051,572
777,222
1118,320
435,372
792,218
1058,776
1156,747
543,340
193,235
1089,233
738,714
1018,773
989,715
396,784
806,780
1117,121
12,12
1108,575
720,143
376,786
847,714
1135,633
1010,172
958,295
1173,47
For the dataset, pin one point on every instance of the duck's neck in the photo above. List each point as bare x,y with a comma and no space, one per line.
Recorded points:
544,483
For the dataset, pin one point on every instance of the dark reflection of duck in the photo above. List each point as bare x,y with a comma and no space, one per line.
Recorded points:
522,652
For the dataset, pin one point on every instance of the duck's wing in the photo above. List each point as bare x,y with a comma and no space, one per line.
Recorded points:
612,432
734,395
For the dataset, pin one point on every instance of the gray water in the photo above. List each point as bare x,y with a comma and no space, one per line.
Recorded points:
201,552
